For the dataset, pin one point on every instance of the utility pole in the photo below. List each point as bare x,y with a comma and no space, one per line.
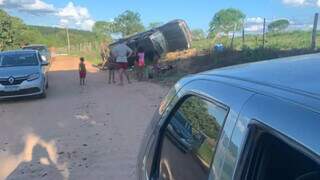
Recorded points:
314,32
68,38
243,34
264,32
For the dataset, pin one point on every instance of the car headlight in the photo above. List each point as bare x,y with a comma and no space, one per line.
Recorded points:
34,76
44,58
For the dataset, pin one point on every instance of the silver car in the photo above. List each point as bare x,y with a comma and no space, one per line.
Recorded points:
255,121
22,73
43,50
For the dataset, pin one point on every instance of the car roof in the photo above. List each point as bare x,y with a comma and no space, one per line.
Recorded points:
290,80
12,52
298,73
294,79
36,45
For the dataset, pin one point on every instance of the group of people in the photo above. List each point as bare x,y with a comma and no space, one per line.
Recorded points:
116,60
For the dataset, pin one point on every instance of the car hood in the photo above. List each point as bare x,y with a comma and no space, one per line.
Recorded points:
22,71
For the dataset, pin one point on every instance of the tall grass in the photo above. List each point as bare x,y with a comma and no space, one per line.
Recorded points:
90,52
280,41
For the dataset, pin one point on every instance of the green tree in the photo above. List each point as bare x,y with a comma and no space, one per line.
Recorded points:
103,28
226,20
278,25
128,23
198,34
10,31
154,25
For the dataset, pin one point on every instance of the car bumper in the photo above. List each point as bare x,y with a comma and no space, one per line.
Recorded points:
26,88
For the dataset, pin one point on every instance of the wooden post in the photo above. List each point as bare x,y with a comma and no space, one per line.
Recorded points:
68,39
314,32
264,32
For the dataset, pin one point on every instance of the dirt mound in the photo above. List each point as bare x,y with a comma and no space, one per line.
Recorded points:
186,54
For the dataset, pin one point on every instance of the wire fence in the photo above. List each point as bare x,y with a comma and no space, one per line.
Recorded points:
256,35
295,38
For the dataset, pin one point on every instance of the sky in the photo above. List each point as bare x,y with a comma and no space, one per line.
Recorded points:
82,14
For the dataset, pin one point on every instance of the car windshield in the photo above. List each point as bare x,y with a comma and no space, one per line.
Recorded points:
25,59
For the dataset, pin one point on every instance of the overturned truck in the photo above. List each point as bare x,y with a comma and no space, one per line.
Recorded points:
170,37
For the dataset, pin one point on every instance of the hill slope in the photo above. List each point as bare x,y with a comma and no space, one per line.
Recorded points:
53,36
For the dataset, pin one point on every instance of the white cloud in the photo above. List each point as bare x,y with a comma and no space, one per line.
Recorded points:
75,17
74,12
254,20
254,25
255,28
39,5
71,15
302,2
87,24
64,22
295,2
30,6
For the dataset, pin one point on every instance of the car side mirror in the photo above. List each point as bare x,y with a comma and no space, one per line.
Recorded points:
45,63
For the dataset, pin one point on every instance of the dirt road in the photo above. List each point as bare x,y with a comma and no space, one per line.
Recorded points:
92,132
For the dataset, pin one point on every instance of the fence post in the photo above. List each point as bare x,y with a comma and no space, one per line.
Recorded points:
264,32
234,31
314,32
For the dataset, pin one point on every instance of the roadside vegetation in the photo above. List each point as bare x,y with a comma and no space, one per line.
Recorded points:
274,40
227,30
14,34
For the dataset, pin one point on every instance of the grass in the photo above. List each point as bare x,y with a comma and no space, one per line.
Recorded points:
90,54
280,41
93,57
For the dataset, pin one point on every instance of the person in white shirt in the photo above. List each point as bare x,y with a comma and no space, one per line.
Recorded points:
121,52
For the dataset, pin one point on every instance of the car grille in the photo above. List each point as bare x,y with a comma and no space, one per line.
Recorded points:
20,92
17,81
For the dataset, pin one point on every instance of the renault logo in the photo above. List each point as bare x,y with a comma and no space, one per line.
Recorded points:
11,80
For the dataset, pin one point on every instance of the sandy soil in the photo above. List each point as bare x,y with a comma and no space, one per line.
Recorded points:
91,132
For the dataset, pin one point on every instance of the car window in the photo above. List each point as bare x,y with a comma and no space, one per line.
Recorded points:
11,60
190,139
272,158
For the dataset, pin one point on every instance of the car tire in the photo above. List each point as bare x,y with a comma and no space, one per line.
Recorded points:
43,95
44,92
47,85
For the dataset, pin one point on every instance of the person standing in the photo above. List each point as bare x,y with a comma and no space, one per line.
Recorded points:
82,71
112,66
121,52
140,63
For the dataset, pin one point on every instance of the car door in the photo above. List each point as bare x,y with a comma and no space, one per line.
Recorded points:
278,140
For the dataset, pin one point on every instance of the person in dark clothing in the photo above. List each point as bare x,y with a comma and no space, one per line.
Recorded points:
82,71
112,67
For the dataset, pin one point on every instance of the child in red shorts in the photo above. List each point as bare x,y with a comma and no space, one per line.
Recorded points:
82,71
